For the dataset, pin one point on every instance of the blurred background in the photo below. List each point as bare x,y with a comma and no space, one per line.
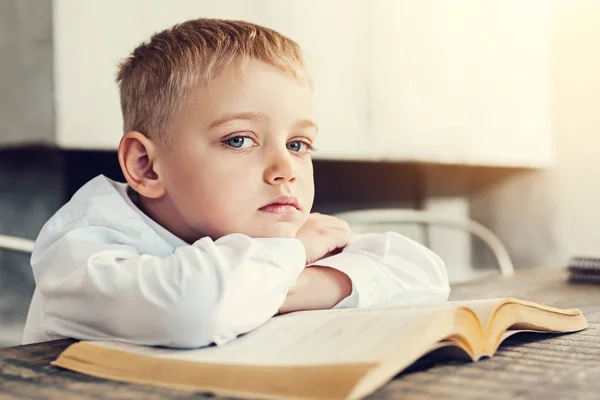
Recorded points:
470,110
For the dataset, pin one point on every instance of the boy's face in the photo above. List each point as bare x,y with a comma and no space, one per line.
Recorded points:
240,157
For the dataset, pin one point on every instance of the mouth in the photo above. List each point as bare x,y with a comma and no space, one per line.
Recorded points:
282,205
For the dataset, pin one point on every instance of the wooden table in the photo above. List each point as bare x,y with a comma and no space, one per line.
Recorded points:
531,366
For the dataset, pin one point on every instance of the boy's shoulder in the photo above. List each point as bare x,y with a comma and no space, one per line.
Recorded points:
100,214
101,202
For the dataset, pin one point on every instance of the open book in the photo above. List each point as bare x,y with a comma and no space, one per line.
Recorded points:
329,354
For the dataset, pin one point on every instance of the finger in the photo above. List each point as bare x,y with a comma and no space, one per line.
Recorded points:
340,238
340,224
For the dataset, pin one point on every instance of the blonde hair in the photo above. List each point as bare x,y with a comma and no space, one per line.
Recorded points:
156,79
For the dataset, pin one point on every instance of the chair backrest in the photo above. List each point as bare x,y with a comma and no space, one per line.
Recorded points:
363,219
17,244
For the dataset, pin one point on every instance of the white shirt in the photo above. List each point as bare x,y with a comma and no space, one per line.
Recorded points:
105,270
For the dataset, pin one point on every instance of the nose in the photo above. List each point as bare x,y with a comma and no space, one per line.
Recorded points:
280,168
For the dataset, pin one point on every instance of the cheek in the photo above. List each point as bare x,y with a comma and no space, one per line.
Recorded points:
225,197
307,184
226,190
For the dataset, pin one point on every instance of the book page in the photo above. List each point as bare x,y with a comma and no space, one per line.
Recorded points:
500,314
484,308
321,337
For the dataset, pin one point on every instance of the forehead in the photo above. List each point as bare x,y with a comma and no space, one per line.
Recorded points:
258,87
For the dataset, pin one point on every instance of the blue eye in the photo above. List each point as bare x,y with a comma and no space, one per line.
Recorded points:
299,146
239,142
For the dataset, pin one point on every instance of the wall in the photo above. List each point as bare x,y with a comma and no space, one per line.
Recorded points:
26,103
546,217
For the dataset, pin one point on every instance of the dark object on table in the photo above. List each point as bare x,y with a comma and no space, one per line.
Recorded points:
584,269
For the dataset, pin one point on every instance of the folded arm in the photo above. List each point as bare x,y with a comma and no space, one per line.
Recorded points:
317,288
208,292
389,269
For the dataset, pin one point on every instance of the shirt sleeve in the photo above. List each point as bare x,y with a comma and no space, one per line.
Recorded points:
390,269
200,294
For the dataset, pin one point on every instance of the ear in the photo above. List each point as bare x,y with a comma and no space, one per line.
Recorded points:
138,160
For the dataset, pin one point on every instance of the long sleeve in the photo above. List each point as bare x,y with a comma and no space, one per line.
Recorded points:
390,269
95,287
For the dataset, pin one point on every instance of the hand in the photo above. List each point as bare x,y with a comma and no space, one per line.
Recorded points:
322,235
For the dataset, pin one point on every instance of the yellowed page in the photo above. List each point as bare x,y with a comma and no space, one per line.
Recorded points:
484,308
515,316
315,338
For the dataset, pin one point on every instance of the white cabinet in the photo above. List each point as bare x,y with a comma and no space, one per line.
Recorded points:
465,81
461,82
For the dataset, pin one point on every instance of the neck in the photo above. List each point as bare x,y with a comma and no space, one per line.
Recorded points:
161,212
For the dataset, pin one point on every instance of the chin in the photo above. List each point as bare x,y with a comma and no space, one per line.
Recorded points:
281,230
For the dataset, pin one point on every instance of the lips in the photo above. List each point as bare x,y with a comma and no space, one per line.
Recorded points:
282,205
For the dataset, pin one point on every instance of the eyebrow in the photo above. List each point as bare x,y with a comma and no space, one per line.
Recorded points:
306,123
259,117
244,116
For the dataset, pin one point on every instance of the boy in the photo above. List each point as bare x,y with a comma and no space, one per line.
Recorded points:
212,234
